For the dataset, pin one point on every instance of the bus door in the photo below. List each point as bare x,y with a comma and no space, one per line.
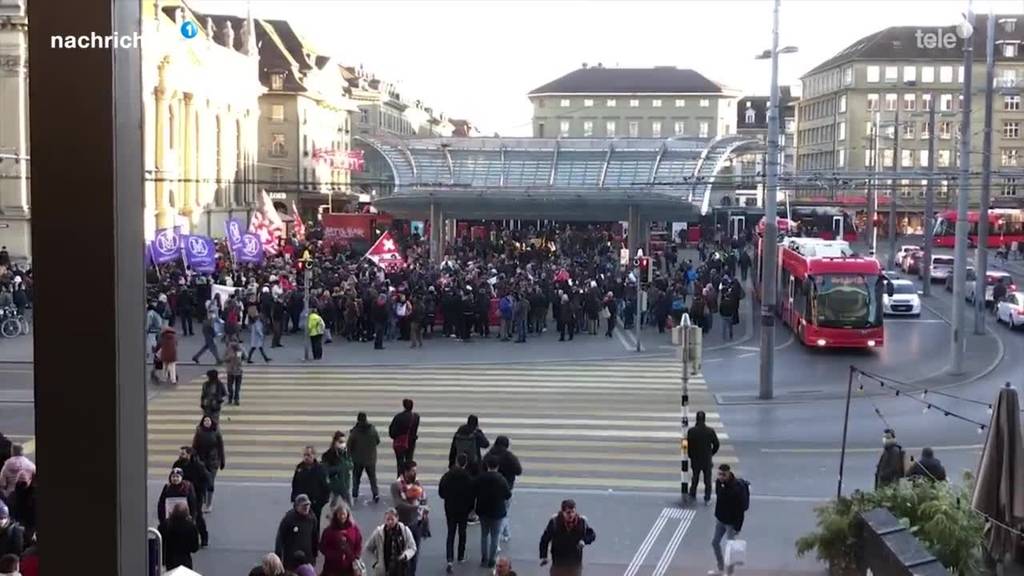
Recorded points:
737,226
837,227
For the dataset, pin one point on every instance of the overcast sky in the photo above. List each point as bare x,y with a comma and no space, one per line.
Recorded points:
477,59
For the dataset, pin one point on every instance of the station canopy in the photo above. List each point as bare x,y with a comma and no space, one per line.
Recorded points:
591,179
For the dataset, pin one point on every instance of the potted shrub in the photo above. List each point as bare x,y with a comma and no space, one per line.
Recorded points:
938,513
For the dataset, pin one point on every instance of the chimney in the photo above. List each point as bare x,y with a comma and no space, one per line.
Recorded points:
584,66
600,65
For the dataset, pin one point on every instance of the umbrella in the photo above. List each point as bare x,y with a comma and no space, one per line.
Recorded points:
999,490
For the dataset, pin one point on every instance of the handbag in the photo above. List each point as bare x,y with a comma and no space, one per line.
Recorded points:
401,442
358,567
735,552
605,314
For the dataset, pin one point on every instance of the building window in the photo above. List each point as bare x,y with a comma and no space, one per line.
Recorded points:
656,129
869,158
848,76
565,103
1010,156
1008,78
874,74
960,75
563,128
928,74
277,81
656,103
945,130
1009,50
634,129
890,102
841,131
910,73
588,102
1011,129
588,128
750,116
680,127
946,102
1011,103
945,74
634,102
841,158
277,113
926,102
890,131
842,104
540,102
610,102
909,102
277,175
704,103
609,128
703,133
943,158
887,157
872,102
1009,187
277,145
908,130
540,129
892,73
790,125
1009,24
680,103
922,158
869,128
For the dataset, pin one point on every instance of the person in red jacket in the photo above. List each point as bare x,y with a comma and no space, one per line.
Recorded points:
341,543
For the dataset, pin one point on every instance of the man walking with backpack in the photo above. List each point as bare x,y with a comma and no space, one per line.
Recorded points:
469,439
732,501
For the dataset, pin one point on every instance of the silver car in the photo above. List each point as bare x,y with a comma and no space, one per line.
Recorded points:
942,268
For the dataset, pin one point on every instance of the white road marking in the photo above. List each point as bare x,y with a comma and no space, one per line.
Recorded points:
914,321
673,545
747,355
645,546
628,340
752,348
863,450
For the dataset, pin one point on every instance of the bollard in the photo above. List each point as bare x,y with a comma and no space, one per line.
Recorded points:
155,546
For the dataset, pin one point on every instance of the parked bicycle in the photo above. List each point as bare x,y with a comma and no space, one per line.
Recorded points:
12,323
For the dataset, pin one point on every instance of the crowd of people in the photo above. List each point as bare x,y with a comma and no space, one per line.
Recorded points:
18,549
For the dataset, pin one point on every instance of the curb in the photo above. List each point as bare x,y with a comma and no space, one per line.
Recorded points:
1000,356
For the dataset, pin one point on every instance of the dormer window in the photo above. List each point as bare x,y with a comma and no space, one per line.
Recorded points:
1009,24
751,115
277,81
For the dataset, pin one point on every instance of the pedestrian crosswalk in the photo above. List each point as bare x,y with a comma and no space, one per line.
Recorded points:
609,424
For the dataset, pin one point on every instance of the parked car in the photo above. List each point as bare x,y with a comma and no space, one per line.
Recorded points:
904,252
904,299
993,276
912,262
1011,310
949,279
942,268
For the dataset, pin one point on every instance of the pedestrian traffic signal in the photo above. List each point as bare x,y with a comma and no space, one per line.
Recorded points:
643,267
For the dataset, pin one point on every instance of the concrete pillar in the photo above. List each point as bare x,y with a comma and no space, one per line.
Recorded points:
14,188
162,119
87,134
436,234
187,153
636,235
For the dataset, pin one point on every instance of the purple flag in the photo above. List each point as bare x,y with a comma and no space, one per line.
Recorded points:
200,253
166,246
251,249
234,230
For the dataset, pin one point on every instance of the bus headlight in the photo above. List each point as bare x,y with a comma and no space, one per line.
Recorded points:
821,342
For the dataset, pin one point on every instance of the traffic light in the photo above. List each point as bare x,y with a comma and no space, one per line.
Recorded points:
643,268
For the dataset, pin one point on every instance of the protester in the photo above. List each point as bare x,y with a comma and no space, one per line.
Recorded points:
457,491
209,342
341,543
392,546
337,461
195,473
702,444
504,567
12,534
233,358
409,499
492,492
13,468
469,439
208,445
403,432
565,535
298,532
310,480
509,468
167,352
891,464
363,440
177,491
212,397
10,565
928,467
180,537
23,503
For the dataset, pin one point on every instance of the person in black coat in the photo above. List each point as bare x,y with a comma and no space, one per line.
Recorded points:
310,479
702,444
178,490
23,504
298,532
509,467
186,310
492,492
196,474
928,467
456,489
566,534
730,505
278,319
12,534
471,439
208,445
180,538
403,432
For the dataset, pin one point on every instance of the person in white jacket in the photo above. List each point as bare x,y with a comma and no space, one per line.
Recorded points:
395,536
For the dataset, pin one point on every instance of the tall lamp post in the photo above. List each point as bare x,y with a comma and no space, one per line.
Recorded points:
981,259
770,253
957,340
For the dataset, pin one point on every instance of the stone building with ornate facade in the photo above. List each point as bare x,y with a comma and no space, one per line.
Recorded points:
201,108
15,201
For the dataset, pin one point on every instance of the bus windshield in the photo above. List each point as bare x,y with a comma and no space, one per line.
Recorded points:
847,301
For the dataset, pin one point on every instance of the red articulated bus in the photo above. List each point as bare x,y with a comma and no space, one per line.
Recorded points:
1005,226
829,296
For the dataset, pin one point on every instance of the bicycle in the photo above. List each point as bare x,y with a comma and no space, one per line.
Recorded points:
13,324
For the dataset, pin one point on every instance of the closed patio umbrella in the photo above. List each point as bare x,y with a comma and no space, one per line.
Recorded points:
999,490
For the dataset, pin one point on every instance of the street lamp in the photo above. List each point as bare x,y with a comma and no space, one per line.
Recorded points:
769,254
957,341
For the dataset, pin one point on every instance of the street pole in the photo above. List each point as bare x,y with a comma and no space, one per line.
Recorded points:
771,252
958,342
684,403
307,276
639,296
981,257
896,160
846,426
929,205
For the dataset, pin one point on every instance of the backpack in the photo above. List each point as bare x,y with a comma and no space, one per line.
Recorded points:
744,493
466,444
506,307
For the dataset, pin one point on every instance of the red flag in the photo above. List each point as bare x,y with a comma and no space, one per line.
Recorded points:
385,254
298,226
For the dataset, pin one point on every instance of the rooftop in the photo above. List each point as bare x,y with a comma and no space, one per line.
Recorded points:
657,80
